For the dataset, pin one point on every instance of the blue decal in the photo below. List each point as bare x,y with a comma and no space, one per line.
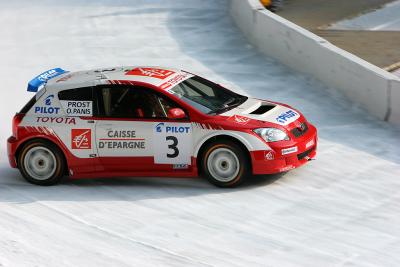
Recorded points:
172,129
285,116
48,99
177,129
48,109
159,127
40,80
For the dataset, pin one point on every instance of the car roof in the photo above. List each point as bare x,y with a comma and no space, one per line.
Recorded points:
161,77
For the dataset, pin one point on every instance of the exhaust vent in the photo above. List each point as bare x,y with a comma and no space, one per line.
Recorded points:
262,109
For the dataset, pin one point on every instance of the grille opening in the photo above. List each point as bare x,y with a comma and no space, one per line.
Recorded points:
304,154
262,109
297,132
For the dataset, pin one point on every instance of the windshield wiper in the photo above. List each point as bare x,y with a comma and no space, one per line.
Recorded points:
229,101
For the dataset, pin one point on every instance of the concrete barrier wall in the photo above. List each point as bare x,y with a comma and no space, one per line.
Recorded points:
373,88
394,116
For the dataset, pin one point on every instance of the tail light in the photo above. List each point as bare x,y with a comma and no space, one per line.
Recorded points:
15,123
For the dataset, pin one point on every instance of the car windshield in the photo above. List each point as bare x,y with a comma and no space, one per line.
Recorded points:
206,96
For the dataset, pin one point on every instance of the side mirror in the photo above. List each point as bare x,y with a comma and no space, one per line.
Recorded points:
176,113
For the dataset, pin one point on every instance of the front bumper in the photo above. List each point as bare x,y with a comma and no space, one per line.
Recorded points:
12,144
286,156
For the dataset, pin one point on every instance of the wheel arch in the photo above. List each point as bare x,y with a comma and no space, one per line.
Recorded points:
219,137
45,140
225,134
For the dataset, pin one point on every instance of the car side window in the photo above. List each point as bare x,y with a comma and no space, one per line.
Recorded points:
78,101
132,102
76,94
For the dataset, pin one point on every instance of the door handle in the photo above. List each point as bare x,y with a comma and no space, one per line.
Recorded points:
90,121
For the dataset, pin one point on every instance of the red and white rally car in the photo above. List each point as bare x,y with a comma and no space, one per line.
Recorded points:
152,121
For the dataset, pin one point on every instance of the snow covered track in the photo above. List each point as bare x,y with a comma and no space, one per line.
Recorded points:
341,210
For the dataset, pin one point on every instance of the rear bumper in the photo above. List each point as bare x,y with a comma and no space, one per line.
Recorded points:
286,157
12,144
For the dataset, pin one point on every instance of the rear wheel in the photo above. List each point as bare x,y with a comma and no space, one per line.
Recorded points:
225,164
41,163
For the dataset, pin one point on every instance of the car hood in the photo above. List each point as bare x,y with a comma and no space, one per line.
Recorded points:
261,110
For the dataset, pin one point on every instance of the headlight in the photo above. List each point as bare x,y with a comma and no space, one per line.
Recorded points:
271,134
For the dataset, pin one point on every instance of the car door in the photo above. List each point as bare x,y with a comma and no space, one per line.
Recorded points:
76,127
134,134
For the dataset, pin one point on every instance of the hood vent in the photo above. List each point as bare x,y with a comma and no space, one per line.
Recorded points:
262,109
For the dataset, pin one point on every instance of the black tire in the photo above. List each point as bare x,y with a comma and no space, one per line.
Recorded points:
211,164
49,155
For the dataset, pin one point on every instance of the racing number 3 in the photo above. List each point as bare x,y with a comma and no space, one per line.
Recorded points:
172,146
172,143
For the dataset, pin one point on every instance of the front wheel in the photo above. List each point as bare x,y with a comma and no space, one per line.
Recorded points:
225,164
41,163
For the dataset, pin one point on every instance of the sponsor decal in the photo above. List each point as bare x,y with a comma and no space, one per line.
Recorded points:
77,108
47,100
122,139
269,155
310,143
81,138
47,109
121,134
286,116
180,166
161,127
289,150
58,120
151,72
239,119
174,143
175,80
122,144
48,74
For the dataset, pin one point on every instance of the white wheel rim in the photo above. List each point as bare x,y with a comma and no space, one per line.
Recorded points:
223,164
40,163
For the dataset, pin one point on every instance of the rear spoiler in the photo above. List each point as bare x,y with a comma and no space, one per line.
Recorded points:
39,81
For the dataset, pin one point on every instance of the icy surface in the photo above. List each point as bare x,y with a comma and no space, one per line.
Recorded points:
386,18
340,210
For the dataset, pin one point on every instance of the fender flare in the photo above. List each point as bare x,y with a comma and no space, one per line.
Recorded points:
47,138
233,134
